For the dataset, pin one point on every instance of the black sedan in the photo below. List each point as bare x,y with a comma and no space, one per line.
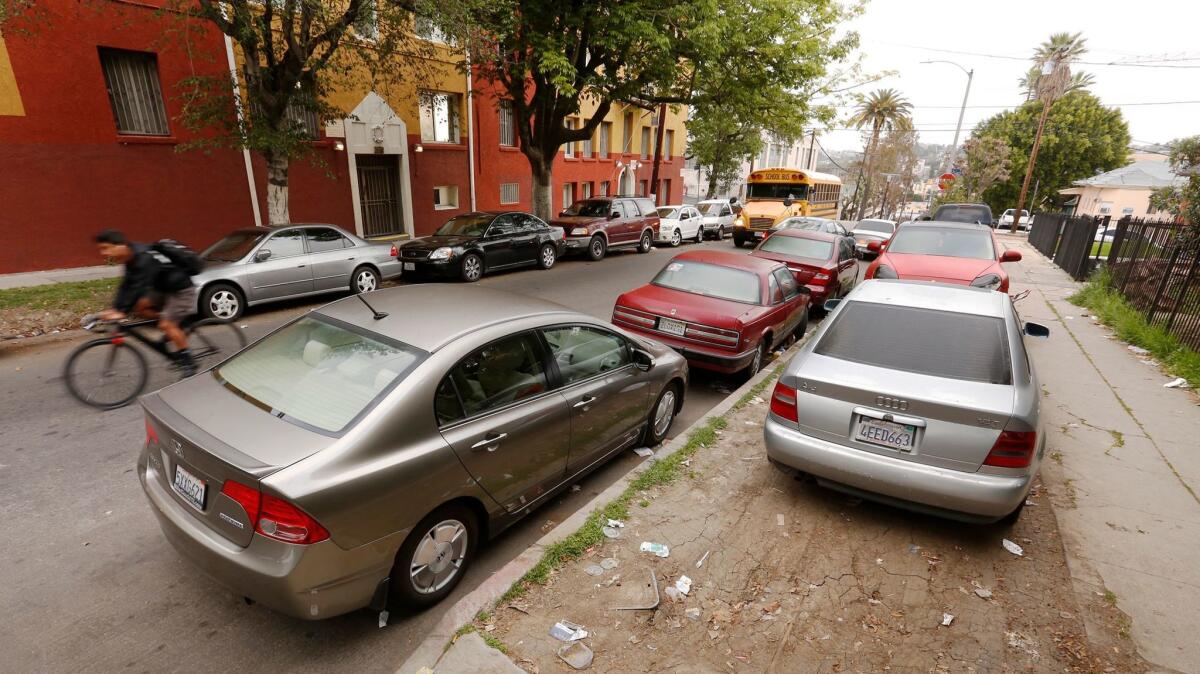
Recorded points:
468,246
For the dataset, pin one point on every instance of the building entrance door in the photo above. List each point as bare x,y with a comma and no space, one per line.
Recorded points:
379,194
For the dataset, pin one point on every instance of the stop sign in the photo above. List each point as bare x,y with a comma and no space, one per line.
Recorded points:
945,181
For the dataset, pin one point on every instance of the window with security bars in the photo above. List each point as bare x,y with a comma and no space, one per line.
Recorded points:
306,119
605,138
131,78
508,127
510,193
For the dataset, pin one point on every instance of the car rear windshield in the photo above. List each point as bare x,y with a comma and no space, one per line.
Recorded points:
474,224
969,214
924,341
808,224
711,208
943,241
318,373
591,208
712,280
875,226
668,212
799,247
233,247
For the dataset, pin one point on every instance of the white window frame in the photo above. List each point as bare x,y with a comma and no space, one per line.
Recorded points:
605,139
646,136
510,193
569,148
587,190
508,124
604,186
667,143
445,197
426,29
441,114
568,194
134,92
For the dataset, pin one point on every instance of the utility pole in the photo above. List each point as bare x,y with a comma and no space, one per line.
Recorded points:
952,155
658,148
1047,101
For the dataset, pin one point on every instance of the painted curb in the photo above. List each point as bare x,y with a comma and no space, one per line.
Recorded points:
483,597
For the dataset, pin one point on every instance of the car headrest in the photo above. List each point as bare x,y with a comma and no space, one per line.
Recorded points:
315,352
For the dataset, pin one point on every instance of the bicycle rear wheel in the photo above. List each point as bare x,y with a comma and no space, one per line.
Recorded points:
212,340
105,374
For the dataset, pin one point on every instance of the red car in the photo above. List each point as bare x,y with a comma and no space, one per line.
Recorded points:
946,252
823,263
723,311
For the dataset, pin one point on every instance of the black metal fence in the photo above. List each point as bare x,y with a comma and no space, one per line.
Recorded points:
1150,262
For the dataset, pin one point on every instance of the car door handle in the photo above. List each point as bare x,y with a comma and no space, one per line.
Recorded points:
584,402
490,442
299,266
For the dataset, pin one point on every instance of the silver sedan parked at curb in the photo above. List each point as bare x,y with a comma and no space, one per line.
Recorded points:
361,453
266,264
920,395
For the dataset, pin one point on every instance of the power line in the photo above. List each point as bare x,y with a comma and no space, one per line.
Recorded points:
1017,105
1026,58
827,156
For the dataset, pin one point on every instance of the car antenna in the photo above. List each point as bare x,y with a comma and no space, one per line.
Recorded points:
378,314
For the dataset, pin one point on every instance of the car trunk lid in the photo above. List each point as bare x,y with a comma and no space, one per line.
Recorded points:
802,268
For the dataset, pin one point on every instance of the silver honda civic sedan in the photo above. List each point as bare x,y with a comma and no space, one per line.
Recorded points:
256,265
918,395
363,451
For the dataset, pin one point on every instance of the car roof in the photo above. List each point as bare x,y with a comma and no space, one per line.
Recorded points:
429,316
931,295
807,234
726,259
714,201
947,224
675,205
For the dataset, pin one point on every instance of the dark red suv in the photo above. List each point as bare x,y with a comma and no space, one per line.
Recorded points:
595,225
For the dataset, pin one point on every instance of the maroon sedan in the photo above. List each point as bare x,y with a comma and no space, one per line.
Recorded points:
824,263
723,311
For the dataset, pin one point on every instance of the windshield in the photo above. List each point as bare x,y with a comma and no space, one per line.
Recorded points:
924,341
318,373
591,208
474,224
776,190
876,226
709,279
668,212
799,247
233,247
711,208
943,241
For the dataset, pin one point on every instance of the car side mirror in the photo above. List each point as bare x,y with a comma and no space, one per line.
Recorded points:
614,215
1036,330
874,246
642,360
1010,256
787,202
562,214
803,290
262,255
830,305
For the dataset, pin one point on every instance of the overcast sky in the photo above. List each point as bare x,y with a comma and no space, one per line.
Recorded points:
899,34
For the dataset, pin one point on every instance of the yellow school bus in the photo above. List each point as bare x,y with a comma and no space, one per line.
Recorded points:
774,194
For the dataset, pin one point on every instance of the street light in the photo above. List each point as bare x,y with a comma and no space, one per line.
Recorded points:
958,129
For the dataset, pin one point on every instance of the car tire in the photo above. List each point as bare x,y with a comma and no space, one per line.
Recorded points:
547,256
721,233
676,238
223,301
646,243
738,242
472,267
597,247
425,587
1011,518
364,280
662,415
802,328
699,235
760,359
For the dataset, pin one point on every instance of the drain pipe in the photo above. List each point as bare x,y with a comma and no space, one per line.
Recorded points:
471,133
237,104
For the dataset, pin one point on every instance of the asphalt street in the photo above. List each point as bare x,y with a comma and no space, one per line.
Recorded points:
88,583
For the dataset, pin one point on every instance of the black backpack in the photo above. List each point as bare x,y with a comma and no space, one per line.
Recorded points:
184,258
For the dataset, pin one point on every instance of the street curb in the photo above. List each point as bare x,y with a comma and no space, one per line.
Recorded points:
431,649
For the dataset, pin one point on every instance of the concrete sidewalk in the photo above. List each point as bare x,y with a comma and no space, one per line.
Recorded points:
41,278
1124,466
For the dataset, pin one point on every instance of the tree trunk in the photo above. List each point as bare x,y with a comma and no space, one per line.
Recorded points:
277,188
543,197
712,187
658,148
861,211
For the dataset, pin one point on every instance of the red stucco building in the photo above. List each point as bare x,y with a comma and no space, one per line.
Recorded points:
91,138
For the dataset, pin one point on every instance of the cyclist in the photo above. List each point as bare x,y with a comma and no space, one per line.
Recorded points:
153,287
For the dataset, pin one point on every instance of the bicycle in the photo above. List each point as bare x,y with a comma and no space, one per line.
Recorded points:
108,372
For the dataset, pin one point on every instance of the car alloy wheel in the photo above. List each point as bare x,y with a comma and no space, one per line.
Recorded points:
365,280
760,355
548,257
472,268
699,234
721,233
676,238
439,556
664,413
597,248
223,302
646,243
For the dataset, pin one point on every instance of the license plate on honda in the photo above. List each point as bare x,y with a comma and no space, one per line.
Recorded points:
758,235
410,266
190,487
672,326
901,437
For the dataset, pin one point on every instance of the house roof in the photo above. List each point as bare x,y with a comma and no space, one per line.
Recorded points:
1148,174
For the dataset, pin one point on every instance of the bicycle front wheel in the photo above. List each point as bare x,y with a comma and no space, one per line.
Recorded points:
212,340
105,374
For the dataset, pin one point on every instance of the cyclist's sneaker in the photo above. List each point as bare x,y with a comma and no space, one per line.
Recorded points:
186,363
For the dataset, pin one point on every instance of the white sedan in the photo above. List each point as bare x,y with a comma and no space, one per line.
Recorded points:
677,223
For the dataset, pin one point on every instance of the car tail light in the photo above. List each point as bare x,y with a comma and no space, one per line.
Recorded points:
783,402
1013,449
151,434
820,277
395,252
621,313
274,517
726,337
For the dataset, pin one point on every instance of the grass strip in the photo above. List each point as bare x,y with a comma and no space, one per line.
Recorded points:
1130,325
81,296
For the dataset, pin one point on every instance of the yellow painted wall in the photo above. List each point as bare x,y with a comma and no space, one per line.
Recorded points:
676,118
10,96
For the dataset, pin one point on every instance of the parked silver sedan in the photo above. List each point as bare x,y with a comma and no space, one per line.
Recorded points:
364,450
915,394
265,264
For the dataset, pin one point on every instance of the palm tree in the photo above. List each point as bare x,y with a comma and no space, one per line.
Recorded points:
883,109
1059,50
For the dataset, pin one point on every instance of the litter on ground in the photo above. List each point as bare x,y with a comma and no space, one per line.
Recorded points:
594,570
684,585
1013,548
1138,350
700,562
1179,382
577,655
947,619
656,548
608,563
643,451
565,630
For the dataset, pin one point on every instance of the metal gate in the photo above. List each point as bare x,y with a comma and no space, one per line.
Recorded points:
379,194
